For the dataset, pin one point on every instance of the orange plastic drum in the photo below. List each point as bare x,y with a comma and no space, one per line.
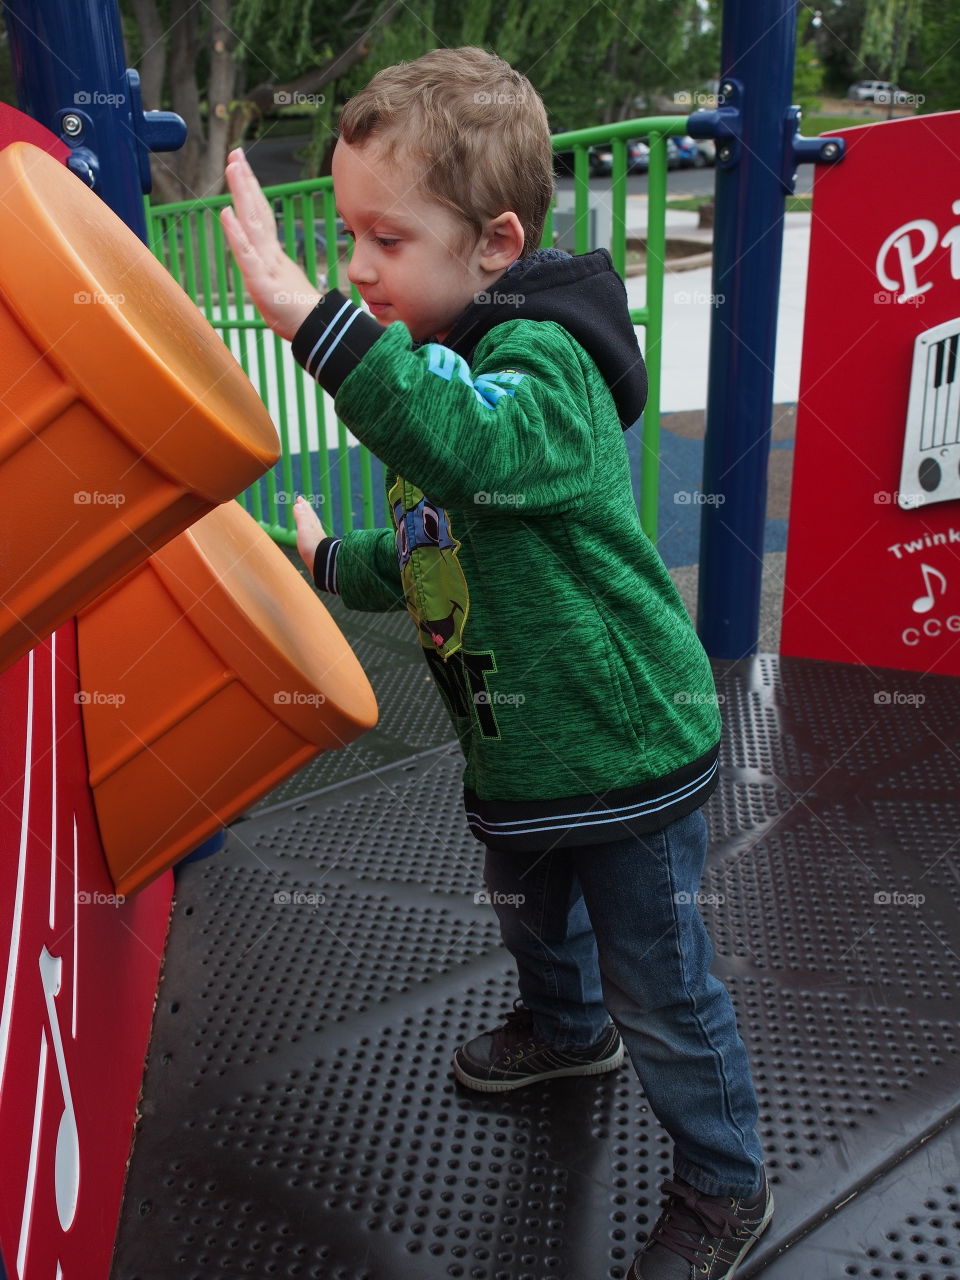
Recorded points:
207,676
123,417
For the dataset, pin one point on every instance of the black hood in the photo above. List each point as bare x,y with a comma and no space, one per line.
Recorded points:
584,294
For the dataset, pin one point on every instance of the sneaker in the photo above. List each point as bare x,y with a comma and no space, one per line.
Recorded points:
513,1055
702,1236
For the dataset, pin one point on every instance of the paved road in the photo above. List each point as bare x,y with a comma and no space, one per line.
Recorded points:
274,160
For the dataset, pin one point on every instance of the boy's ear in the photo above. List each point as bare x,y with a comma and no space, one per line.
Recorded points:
501,242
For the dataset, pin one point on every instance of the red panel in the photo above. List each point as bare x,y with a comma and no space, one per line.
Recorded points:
16,127
79,977
868,581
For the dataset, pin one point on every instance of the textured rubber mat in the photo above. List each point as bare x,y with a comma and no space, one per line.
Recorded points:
299,1113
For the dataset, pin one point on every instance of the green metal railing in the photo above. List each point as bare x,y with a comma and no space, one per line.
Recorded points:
188,240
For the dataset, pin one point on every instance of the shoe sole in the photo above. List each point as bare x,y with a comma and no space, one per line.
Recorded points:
505,1086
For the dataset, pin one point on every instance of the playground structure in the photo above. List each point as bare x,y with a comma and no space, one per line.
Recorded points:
297,1112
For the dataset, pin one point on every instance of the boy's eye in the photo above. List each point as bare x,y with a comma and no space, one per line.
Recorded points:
384,242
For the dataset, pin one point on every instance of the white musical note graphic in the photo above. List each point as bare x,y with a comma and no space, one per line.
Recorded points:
924,603
67,1165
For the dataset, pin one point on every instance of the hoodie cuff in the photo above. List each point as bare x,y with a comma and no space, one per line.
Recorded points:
325,565
333,339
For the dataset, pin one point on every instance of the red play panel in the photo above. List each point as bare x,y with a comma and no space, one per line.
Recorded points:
873,572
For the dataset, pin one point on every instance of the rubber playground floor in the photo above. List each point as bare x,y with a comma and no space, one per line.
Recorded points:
300,1117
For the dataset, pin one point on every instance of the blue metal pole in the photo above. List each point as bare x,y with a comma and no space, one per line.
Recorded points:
69,62
753,175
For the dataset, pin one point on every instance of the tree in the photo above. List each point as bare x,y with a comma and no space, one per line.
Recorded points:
889,26
807,69
225,64
934,66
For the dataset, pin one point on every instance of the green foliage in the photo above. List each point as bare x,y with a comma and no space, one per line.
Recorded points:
934,66
888,28
807,68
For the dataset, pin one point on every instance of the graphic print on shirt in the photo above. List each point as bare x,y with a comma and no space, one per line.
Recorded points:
434,585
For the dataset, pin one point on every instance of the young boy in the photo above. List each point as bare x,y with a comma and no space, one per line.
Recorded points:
495,381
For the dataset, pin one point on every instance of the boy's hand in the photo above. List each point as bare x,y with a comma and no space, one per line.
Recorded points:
281,292
310,531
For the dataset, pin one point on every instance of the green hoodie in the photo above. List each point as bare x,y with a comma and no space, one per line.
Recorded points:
581,696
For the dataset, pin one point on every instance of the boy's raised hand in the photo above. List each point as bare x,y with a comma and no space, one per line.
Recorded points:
310,532
281,292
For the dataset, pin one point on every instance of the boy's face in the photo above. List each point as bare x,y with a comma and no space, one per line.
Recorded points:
413,259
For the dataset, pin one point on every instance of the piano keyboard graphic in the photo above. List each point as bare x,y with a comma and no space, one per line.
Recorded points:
930,470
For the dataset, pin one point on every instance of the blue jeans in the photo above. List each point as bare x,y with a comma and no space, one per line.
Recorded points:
615,928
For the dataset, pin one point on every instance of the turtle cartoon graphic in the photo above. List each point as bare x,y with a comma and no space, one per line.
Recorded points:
434,585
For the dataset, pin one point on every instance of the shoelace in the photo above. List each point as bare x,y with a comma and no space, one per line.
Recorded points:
517,1026
690,1216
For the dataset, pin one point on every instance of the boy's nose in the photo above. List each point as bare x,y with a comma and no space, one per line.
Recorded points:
361,270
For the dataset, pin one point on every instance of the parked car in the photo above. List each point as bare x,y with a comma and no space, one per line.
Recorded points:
881,92
683,153
563,161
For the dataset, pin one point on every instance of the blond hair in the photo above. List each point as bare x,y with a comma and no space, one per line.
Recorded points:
478,128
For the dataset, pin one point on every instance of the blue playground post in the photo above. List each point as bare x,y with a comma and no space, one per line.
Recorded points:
71,76
755,162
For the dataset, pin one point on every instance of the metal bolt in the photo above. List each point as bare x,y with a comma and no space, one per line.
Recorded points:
830,150
72,125
727,89
725,153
